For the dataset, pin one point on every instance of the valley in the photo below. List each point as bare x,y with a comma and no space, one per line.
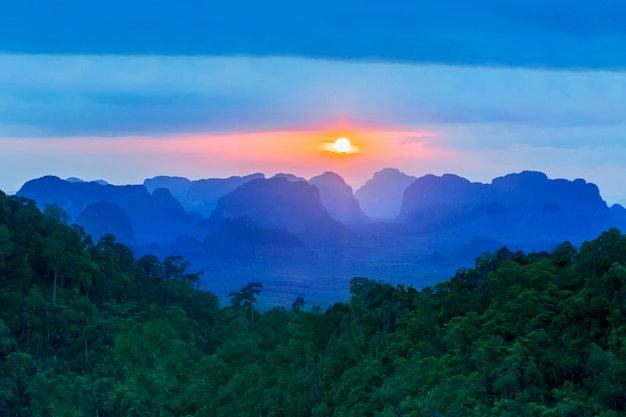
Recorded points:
310,237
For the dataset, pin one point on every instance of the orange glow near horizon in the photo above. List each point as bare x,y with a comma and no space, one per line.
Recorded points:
302,153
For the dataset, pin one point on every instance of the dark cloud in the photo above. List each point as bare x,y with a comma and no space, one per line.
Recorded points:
558,34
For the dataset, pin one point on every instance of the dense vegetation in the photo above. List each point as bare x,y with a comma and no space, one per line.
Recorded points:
88,330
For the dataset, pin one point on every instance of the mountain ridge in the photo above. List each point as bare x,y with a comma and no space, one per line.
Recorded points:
280,226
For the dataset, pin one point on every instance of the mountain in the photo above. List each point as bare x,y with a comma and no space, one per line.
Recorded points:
178,186
242,241
290,177
282,231
432,191
336,196
530,188
156,217
244,229
278,203
76,179
381,196
102,217
619,213
202,195
520,207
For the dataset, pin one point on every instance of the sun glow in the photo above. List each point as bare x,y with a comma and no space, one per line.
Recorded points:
301,152
342,145
339,145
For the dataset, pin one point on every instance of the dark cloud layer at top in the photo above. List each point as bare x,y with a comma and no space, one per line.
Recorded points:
557,34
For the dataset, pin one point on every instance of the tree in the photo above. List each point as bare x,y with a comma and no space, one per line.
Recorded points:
245,298
175,267
297,304
62,247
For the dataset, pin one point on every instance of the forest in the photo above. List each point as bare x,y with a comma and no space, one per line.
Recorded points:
87,329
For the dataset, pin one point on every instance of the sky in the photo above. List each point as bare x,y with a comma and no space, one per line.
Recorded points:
125,91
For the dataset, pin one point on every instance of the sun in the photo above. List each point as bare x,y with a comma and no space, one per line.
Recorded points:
342,145
337,143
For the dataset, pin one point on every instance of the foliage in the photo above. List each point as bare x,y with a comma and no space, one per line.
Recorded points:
87,329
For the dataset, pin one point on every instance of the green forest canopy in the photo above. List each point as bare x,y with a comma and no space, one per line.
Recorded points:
87,329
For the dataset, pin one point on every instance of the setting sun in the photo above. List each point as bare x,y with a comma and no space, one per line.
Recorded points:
342,145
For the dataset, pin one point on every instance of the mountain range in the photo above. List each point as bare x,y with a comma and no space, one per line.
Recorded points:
309,237
516,208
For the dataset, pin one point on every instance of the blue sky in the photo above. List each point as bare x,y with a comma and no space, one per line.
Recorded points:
498,87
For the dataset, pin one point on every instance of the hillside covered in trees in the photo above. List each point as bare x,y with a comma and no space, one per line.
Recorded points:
86,329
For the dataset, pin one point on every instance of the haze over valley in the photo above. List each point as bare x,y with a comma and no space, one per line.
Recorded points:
308,238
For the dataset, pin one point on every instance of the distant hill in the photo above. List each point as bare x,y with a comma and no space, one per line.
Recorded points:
243,242
200,195
517,207
156,217
178,186
619,213
277,203
285,229
76,179
381,196
337,197
102,217
290,177
431,190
